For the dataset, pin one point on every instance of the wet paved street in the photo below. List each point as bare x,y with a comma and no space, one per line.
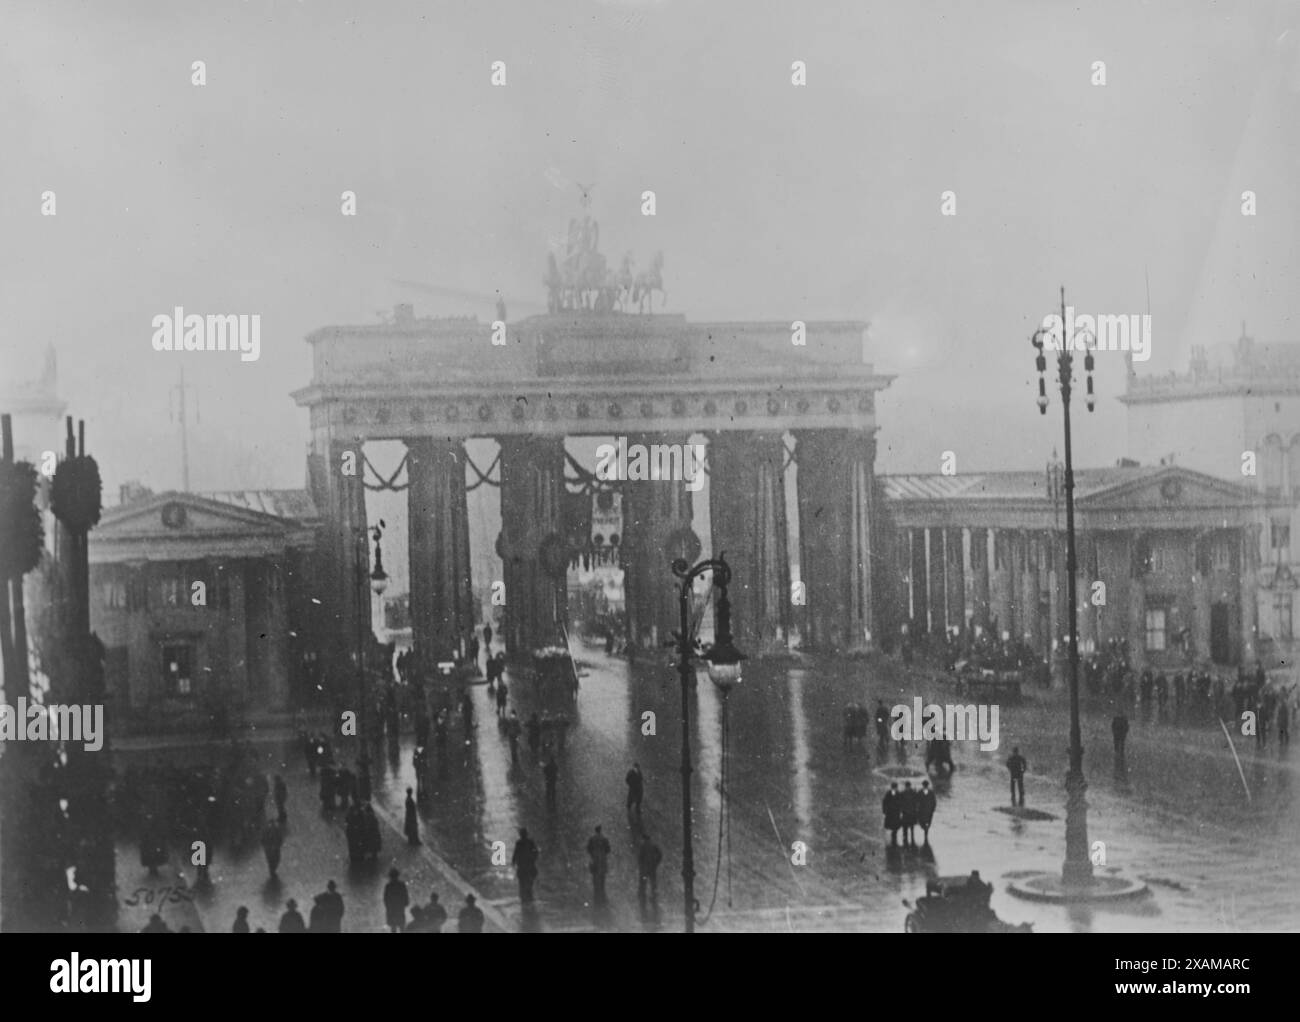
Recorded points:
1180,820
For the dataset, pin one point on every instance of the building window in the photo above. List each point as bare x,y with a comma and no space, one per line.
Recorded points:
1156,637
113,595
178,669
1161,558
171,592
1221,555
1280,540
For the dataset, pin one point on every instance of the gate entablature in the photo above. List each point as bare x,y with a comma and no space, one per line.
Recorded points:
583,373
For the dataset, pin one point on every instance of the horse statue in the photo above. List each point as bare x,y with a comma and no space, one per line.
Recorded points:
649,281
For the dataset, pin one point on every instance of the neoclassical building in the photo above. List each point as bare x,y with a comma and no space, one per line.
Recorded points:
1167,558
1235,414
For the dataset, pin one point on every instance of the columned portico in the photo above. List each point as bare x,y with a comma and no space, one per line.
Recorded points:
748,518
340,495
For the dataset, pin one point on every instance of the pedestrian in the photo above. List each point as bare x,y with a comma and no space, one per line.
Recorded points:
355,828
598,852
371,844
525,863
291,921
241,920
156,925
909,811
317,918
1119,731
534,727
635,790
333,904
412,824
502,692
648,858
1016,766
470,919
1283,721
882,722
473,651
396,898
467,714
512,730
272,841
487,638
551,772
925,806
281,792
434,914
891,806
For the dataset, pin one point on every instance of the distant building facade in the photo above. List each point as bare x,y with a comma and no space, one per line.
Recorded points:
1166,560
204,603
1236,414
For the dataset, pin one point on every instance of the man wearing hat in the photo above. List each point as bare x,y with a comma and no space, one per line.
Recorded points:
471,917
291,921
396,899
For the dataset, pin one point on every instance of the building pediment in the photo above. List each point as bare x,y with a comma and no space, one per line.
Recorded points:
1172,489
184,526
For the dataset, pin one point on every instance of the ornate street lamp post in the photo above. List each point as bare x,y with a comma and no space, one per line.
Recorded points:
378,580
723,661
1077,871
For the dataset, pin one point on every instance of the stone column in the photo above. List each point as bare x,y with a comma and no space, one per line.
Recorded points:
934,571
1248,592
339,491
532,491
655,513
920,583
1204,550
836,468
438,549
979,564
747,513
954,570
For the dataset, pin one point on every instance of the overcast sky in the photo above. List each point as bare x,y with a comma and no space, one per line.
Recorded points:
774,202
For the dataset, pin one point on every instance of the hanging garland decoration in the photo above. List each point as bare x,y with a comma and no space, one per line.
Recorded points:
385,484
75,496
482,476
22,533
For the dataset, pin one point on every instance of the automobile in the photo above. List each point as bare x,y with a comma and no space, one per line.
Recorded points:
957,904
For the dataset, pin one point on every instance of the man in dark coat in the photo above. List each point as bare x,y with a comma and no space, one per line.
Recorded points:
396,898
412,823
551,772
648,857
908,812
272,842
371,842
487,638
332,904
241,920
882,722
502,694
512,730
156,925
534,728
281,794
635,790
1016,766
891,807
434,914
598,852
525,863
291,921
1119,732
470,919
925,806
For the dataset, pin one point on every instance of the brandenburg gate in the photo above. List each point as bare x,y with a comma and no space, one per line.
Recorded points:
588,368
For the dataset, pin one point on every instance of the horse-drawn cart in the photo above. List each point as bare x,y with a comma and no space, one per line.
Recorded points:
957,904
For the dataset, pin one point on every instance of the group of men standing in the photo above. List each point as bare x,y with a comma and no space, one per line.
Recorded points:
903,810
